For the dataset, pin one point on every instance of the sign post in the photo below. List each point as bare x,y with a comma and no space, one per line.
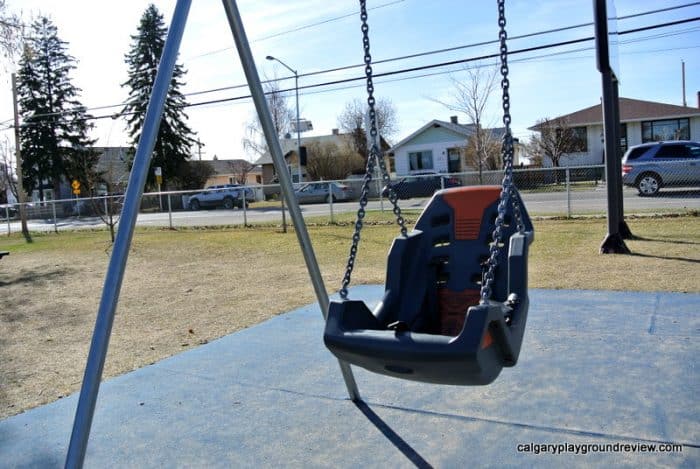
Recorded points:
76,191
159,180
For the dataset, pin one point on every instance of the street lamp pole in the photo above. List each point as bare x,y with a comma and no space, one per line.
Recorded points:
296,89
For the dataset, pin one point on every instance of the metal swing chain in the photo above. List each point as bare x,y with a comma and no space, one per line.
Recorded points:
508,190
374,156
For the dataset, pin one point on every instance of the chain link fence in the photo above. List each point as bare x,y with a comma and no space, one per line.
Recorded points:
565,192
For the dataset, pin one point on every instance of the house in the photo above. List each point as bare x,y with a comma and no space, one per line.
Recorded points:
235,171
640,122
289,150
113,167
439,146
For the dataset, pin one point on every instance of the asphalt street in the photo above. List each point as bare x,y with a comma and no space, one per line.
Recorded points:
540,203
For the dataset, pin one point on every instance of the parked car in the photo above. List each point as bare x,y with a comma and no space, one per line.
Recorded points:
224,195
423,184
651,166
8,210
319,193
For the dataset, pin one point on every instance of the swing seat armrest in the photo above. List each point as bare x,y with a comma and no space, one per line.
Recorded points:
517,263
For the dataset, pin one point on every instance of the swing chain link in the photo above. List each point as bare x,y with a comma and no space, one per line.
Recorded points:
374,157
508,192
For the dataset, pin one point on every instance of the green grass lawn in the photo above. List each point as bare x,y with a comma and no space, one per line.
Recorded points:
666,254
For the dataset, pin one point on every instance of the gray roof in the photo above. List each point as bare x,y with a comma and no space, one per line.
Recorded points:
466,130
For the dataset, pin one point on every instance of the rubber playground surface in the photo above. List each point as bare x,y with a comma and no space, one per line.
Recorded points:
605,379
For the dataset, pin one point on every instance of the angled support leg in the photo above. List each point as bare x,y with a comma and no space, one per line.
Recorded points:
120,251
256,90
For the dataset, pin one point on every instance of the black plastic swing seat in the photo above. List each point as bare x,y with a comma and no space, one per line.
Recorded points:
430,326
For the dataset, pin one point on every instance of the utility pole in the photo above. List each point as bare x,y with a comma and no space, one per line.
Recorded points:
21,196
199,148
685,103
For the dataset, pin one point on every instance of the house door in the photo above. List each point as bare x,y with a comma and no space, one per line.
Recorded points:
454,160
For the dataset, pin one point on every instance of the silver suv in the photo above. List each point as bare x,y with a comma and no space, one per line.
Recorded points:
650,166
224,195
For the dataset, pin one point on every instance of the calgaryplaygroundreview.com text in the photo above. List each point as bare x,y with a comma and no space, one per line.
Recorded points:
586,448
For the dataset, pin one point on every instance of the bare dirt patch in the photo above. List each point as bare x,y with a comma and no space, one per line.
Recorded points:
181,289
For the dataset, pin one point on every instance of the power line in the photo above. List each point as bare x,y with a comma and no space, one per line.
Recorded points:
405,70
300,28
445,64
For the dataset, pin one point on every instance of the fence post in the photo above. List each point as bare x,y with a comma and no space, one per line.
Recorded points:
9,225
442,182
245,209
330,199
379,189
170,213
106,207
55,224
568,193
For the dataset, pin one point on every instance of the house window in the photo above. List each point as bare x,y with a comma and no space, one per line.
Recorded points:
579,141
667,129
420,160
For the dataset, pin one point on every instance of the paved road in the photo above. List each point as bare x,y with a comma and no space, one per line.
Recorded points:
548,203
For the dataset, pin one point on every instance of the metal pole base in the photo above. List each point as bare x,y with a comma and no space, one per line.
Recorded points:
625,231
614,244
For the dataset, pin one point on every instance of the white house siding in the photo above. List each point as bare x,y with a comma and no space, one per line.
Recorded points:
695,129
436,139
596,149
593,156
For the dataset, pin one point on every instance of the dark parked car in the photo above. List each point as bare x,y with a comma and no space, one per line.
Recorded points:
651,166
423,185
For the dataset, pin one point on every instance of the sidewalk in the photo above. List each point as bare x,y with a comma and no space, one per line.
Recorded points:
597,368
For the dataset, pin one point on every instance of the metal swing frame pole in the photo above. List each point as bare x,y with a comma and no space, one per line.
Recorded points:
256,91
122,243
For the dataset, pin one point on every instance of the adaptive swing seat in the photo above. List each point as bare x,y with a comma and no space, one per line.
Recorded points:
430,326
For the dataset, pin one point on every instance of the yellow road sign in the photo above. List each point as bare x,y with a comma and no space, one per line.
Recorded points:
75,185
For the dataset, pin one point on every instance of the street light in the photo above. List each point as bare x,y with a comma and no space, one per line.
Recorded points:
298,126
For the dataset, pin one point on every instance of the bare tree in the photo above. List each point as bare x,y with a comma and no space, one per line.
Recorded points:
7,175
484,152
352,121
240,170
105,185
470,96
328,161
556,138
11,33
282,118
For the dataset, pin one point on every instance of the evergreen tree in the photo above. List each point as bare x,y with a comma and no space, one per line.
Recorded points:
175,139
54,130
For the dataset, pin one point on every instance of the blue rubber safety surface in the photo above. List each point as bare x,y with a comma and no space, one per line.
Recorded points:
598,371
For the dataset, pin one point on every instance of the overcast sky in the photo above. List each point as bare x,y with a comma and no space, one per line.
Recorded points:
317,35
